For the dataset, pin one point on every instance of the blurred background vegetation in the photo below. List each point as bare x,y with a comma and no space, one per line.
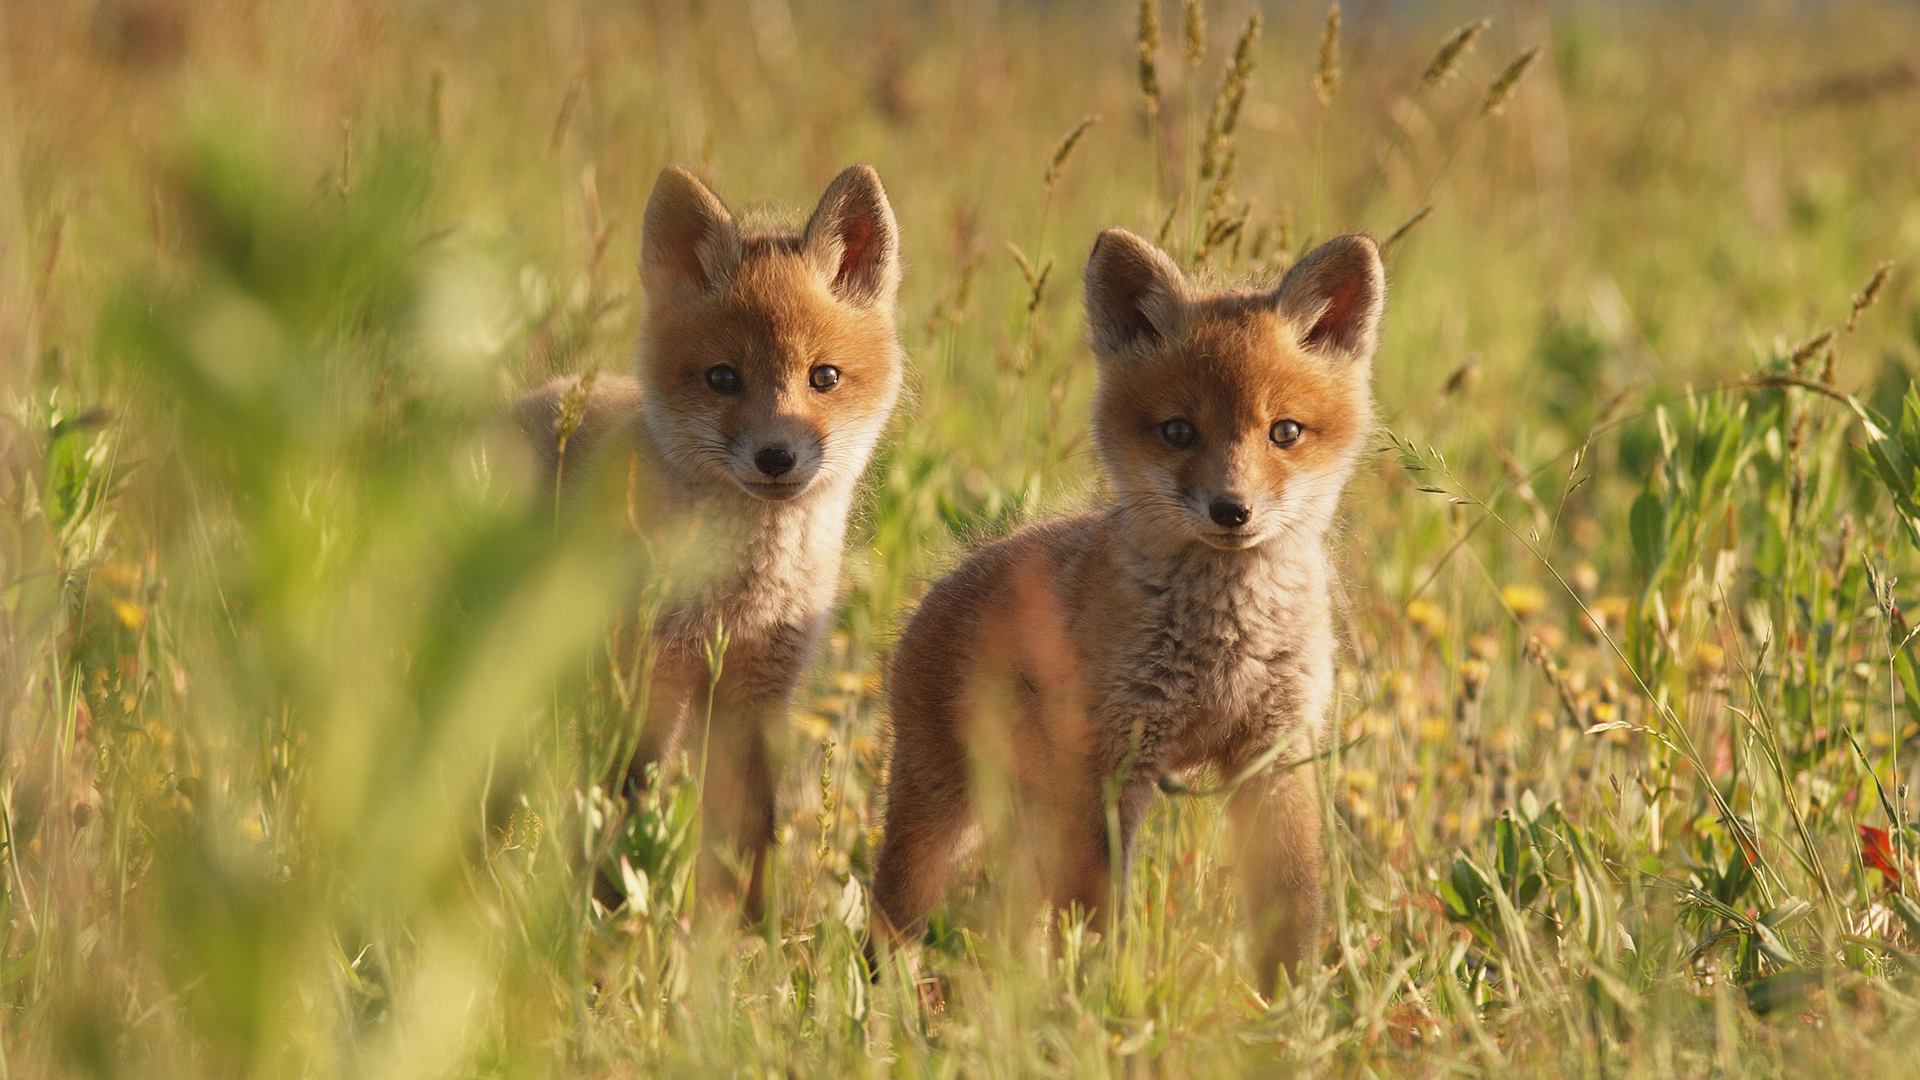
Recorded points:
303,717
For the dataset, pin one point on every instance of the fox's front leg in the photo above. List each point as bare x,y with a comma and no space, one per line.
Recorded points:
1085,873
1276,841
738,804
728,733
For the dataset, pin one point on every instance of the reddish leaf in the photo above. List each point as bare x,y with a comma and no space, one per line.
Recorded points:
1876,851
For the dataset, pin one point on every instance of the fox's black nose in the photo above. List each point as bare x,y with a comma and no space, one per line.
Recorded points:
774,460
1229,513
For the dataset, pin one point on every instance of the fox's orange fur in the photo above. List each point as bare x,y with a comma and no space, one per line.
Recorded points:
768,366
1187,624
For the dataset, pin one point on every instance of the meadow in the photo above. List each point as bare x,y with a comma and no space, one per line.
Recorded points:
303,718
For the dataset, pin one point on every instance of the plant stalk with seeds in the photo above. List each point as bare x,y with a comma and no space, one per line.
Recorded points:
573,410
1217,151
1458,44
1445,60
1492,105
1502,87
1327,78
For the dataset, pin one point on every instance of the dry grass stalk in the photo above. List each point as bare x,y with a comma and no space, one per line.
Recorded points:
1536,651
564,118
1327,79
1239,233
1065,150
1463,376
1225,115
1036,279
345,182
573,410
951,308
598,231
1864,299
1219,225
1797,360
436,94
1166,225
1405,227
1218,232
1502,87
1451,50
1194,21
1148,37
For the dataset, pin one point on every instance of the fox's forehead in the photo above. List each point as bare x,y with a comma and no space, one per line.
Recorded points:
776,310
1243,363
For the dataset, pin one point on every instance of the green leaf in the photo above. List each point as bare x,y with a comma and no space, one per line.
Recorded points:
1908,911
1788,912
1771,945
1647,524
1903,667
1781,990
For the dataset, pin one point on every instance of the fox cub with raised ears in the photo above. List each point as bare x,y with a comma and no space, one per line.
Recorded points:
768,366
1185,625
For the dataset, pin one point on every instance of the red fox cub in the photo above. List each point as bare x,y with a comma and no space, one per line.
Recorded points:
768,366
1185,625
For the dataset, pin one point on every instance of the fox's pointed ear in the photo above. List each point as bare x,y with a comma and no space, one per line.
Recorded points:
1333,298
1137,297
689,240
853,240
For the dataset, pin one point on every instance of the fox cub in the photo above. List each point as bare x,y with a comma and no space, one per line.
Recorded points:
1185,625
768,366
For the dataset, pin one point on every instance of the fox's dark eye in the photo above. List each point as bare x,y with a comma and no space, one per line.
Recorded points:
824,378
1284,432
723,379
1179,432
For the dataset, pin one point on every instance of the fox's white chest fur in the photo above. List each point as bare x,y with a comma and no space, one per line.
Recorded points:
1229,646
763,565
767,574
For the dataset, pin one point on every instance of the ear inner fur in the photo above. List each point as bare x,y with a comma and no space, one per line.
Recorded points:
853,239
1334,297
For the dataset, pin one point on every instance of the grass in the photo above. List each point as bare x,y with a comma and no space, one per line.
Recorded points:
304,718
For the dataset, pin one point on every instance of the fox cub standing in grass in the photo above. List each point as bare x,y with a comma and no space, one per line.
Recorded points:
1185,625
769,364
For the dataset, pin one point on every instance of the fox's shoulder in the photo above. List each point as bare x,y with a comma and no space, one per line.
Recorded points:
1005,604
609,415
1004,574
1046,543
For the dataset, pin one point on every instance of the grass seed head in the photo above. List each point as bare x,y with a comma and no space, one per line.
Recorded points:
1451,50
1065,150
1502,87
1149,39
1807,349
573,408
1864,299
1225,115
1194,22
1327,79
1166,225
